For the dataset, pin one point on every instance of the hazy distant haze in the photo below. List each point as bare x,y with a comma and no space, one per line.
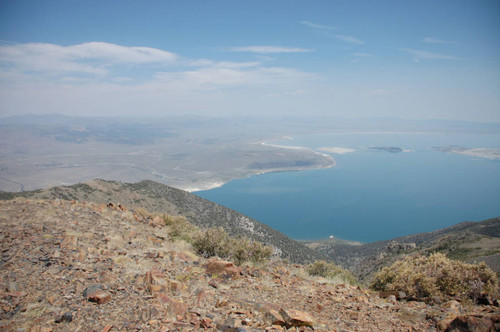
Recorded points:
354,59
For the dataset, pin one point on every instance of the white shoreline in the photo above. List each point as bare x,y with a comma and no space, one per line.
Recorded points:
216,184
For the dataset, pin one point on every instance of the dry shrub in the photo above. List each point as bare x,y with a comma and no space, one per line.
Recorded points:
179,228
212,242
143,212
424,277
331,271
246,250
216,242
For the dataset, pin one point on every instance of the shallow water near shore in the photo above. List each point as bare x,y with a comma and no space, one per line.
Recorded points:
373,194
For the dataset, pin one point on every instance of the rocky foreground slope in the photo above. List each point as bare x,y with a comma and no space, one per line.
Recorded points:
79,266
159,198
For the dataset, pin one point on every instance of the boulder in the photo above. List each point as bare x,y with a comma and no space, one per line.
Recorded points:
223,268
296,318
475,323
100,297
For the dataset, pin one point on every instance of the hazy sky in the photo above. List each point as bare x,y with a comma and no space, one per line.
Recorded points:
407,59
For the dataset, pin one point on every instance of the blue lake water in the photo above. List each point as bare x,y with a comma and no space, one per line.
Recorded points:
373,195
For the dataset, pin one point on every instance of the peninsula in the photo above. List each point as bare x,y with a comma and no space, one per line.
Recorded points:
472,152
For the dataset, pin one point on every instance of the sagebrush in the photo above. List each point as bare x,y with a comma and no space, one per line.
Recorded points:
424,277
331,271
216,242
179,228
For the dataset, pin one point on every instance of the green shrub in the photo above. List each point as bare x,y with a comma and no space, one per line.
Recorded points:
330,271
423,277
216,242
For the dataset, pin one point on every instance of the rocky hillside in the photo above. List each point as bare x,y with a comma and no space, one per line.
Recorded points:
159,198
82,266
467,241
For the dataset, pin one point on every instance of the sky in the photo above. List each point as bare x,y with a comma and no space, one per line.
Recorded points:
355,59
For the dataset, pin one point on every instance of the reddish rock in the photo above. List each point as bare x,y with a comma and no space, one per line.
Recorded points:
69,242
201,296
387,294
162,298
362,299
214,282
157,221
153,254
275,318
13,294
177,287
66,317
206,322
223,268
154,281
107,328
91,289
469,323
296,318
100,297
453,306
177,309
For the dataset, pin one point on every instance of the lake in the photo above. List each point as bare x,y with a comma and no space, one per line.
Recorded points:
373,195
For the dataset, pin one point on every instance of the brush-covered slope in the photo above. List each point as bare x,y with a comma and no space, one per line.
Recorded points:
159,198
81,266
467,241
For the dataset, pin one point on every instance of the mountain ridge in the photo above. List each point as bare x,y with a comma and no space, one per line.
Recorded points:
468,241
163,199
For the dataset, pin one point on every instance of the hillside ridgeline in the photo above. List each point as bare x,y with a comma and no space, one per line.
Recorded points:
467,241
163,199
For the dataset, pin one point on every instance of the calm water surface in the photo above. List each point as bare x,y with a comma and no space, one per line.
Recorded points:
373,195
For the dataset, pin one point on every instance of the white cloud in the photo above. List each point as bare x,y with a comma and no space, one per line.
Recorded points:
269,49
317,26
363,55
90,58
264,57
349,39
419,55
120,54
223,64
108,79
359,56
344,38
298,92
381,92
431,40
215,78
